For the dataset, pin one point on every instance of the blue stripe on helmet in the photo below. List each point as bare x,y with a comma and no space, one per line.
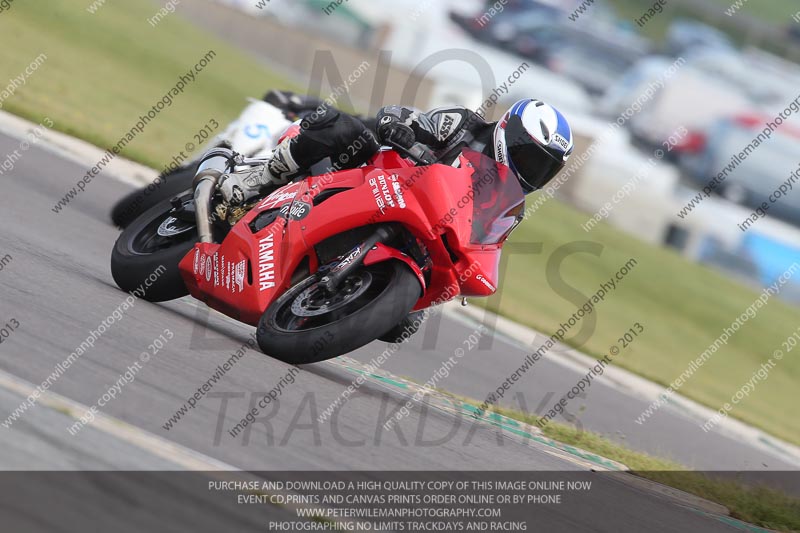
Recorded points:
519,107
563,128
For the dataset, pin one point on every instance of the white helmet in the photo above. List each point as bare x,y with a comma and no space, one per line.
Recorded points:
534,140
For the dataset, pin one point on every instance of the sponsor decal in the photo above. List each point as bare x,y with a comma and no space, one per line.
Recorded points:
226,273
216,269
376,192
561,141
486,282
299,210
209,267
266,263
280,197
398,192
500,152
196,260
386,193
239,273
449,121
347,260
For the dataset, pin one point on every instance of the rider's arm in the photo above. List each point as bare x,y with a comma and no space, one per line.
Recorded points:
438,128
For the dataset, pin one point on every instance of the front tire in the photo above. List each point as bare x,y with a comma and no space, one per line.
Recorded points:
306,326
141,254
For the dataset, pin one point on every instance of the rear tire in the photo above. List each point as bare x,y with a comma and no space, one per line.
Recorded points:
140,252
297,328
137,202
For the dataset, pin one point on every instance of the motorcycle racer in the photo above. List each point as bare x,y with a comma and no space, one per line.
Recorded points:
533,139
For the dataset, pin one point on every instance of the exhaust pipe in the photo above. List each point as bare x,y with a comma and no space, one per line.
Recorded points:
214,164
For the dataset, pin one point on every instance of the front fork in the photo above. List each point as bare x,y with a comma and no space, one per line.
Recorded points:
371,251
339,272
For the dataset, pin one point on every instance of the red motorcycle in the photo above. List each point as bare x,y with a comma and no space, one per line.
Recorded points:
327,264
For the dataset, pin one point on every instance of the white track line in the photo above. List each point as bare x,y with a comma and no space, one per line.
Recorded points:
158,446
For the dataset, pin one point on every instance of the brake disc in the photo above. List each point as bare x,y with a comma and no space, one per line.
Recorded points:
308,304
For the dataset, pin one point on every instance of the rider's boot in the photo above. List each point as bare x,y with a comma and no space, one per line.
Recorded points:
238,187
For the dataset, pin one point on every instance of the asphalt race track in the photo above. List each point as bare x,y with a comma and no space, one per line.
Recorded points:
59,288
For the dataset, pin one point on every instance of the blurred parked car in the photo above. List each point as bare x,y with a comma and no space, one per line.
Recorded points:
595,59
499,29
759,175
594,63
768,81
669,103
685,37
458,65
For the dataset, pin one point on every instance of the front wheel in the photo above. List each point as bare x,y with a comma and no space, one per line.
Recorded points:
307,324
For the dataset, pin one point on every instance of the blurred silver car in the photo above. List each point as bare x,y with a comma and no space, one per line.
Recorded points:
751,181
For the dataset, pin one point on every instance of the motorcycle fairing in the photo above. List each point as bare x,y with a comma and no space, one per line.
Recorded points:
252,267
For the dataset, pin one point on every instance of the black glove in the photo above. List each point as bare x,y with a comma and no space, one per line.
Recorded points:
392,132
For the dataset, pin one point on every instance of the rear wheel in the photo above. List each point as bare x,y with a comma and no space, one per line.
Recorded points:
148,251
137,202
308,324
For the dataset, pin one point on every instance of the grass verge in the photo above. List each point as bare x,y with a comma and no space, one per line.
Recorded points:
104,70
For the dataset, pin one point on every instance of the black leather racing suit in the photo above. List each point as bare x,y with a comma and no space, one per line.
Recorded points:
349,142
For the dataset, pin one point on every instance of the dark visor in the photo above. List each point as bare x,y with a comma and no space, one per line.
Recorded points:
532,163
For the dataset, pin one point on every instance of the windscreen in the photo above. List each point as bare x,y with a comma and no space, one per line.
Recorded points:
498,201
